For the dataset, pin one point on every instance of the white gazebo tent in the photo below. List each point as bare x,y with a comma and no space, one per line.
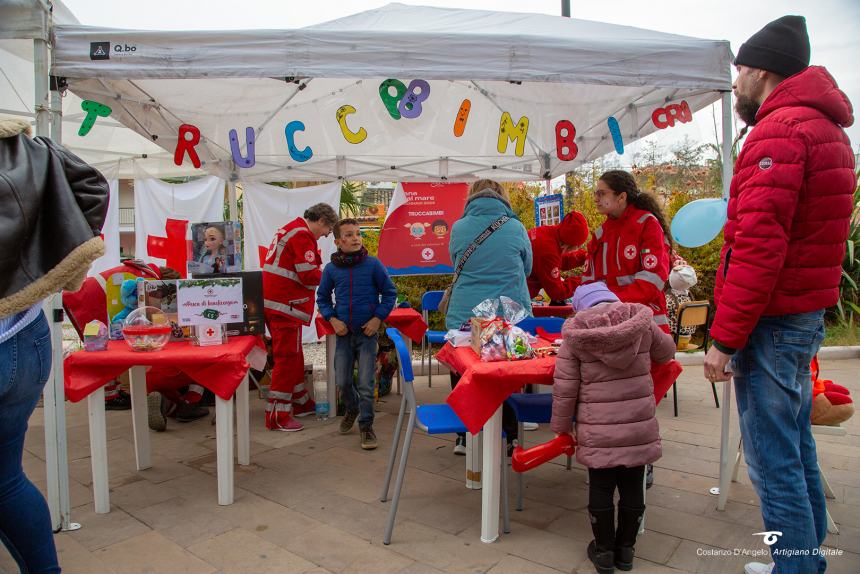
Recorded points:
547,69
543,68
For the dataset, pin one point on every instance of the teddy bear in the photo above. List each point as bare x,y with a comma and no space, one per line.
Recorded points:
128,297
831,403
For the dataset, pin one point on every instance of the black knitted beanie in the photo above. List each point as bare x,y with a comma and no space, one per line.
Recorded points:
781,47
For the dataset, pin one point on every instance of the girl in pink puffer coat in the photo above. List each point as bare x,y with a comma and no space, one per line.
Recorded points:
602,377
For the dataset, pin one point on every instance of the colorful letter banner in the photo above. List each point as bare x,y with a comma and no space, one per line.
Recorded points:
549,209
417,230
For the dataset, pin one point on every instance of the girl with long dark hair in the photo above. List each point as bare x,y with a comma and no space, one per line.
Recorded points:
630,250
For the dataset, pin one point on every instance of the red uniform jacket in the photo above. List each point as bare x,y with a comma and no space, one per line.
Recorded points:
548,262
291,273
789,209
631,254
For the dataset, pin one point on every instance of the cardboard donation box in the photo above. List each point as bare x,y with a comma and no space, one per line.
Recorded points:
208,305
252,302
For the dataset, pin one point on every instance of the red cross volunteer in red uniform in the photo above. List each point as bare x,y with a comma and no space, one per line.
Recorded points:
554,249
630,250
291,273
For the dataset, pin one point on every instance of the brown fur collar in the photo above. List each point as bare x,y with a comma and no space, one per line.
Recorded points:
11,127
68,275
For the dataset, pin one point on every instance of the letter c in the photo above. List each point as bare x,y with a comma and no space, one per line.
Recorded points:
295,153
350,136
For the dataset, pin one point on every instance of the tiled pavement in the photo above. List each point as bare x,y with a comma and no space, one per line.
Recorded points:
308,502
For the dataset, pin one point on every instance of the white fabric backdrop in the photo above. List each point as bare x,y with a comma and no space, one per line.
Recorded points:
267,208
110,232
155,201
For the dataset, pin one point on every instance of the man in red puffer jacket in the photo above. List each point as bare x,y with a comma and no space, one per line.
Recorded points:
788,217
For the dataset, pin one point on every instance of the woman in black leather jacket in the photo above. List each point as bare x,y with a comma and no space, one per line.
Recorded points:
52,207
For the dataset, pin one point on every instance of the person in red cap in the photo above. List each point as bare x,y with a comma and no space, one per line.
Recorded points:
555,249
789,211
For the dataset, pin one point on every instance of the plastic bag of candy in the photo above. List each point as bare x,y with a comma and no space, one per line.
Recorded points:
494,337
518,343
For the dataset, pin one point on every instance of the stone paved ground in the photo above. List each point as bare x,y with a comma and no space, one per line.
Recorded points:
308,502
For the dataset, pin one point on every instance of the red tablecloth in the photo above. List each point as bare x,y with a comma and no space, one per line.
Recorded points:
407,320
219,368
563,311
483,387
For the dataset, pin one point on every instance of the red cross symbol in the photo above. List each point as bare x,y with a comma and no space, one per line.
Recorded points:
174,248
210,331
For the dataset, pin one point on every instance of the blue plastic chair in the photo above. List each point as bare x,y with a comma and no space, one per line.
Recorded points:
548,324
533,408
430,302
432,419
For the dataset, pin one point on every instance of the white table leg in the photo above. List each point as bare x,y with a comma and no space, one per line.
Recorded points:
142,449
242,424
491,478
725,455
474,460
330,345
98,450
224,449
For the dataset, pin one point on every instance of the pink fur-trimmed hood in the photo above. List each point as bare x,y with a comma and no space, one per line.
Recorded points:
610,332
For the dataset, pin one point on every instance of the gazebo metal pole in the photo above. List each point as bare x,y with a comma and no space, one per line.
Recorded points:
56,448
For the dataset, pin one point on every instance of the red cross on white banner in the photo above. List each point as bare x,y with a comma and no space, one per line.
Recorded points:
175,249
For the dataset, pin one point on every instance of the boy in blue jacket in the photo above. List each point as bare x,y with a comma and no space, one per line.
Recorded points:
363,297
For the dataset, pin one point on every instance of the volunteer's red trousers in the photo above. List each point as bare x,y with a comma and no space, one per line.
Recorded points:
288,396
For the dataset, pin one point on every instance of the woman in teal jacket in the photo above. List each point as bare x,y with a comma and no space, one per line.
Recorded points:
499,266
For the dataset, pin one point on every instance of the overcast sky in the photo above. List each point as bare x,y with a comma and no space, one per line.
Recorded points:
832,24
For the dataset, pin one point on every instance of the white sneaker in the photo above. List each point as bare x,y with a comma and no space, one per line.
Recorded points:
531,426
460,446
758,568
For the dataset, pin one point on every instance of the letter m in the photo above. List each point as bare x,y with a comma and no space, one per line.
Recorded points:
510,132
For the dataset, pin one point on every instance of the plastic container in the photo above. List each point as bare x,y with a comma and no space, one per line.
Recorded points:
322,407
146,329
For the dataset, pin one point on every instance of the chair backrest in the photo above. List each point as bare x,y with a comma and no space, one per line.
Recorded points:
430,300
693,313
548,324
403,354
404,358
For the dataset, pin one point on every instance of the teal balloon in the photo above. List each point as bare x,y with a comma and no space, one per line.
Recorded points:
699,222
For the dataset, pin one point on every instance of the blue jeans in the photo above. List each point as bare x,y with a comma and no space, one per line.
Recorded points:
350,347
25,522
774,394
